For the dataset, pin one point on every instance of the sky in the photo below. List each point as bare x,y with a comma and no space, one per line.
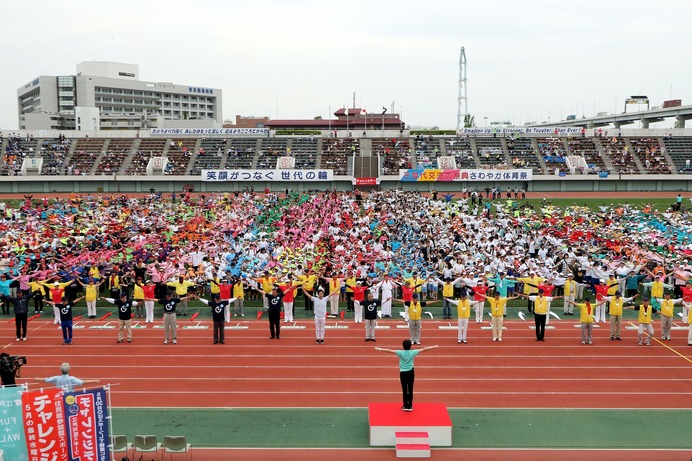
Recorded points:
527,60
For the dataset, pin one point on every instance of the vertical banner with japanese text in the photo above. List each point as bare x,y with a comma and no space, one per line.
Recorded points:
44,425
11,430
87,425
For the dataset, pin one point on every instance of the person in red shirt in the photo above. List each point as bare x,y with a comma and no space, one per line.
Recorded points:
358,297
479,292
686,300
224,296
407,291
288,290
149,290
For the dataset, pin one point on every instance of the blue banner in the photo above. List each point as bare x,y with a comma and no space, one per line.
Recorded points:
86,424
12,438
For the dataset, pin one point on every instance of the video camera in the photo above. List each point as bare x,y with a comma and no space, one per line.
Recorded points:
12,362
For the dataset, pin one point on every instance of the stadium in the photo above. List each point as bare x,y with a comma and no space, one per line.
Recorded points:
127,206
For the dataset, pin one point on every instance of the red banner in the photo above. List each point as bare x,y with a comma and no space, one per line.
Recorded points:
366,181
44,425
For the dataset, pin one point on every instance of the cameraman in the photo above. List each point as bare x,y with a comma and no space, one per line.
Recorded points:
10,369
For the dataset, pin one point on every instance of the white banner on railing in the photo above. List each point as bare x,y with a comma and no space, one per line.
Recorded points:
547,130
268,175
209,131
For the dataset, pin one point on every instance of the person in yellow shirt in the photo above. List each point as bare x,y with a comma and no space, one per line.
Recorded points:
586,317
497,310
463,314
91,293
415,313
571,290
267,282
530,284
689,333
615,311
138,296
308,284
181,286
447,294
667,312
239,295
645,312
541,306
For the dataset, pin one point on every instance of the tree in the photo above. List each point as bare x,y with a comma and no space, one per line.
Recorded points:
469,121
319,117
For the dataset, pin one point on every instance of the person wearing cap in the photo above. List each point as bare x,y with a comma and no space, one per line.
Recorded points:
91,290
56,291
266,282
667,311
502,284
238,297
586,318
615,306
65,381
124,305
289,289
656,287
646,310
218,315
686,300
632,283
370,305
65,311
387,286
601,289
148,296
222,287
170,304
570,290
334,288
530,284
498,306
181,287
138,295
319,307
463,314
541,306
359,291
447,295
414,315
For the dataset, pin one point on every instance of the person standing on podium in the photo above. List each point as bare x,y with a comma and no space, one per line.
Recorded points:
406,371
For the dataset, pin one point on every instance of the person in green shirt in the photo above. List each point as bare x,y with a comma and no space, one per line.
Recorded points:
406,372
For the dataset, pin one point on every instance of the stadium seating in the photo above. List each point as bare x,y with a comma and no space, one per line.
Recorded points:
490,152
119,149
179,153
241,153
680,151
521,151
210,156
395,153
461,150
85,156
650,155
305,151
587,149
335,154
619,154
15,149
54,152
148,147
270,150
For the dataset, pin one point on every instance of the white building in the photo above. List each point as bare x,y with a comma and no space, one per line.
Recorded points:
112,97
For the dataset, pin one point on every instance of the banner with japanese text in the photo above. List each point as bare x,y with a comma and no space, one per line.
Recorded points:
430,175
209,131
44,425
268,175
87,425
12,438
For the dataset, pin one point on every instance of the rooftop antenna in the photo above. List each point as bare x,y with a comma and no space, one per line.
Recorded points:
462,99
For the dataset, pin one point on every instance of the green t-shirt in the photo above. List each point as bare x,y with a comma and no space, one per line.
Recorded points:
406,359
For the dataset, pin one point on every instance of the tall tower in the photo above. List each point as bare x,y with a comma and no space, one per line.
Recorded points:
462,99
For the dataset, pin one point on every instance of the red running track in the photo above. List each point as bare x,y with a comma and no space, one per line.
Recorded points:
251,370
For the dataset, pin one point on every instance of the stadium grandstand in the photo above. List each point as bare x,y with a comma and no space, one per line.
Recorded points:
166,159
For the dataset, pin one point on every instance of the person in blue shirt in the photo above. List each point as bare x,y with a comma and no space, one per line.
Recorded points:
406,371
65,381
